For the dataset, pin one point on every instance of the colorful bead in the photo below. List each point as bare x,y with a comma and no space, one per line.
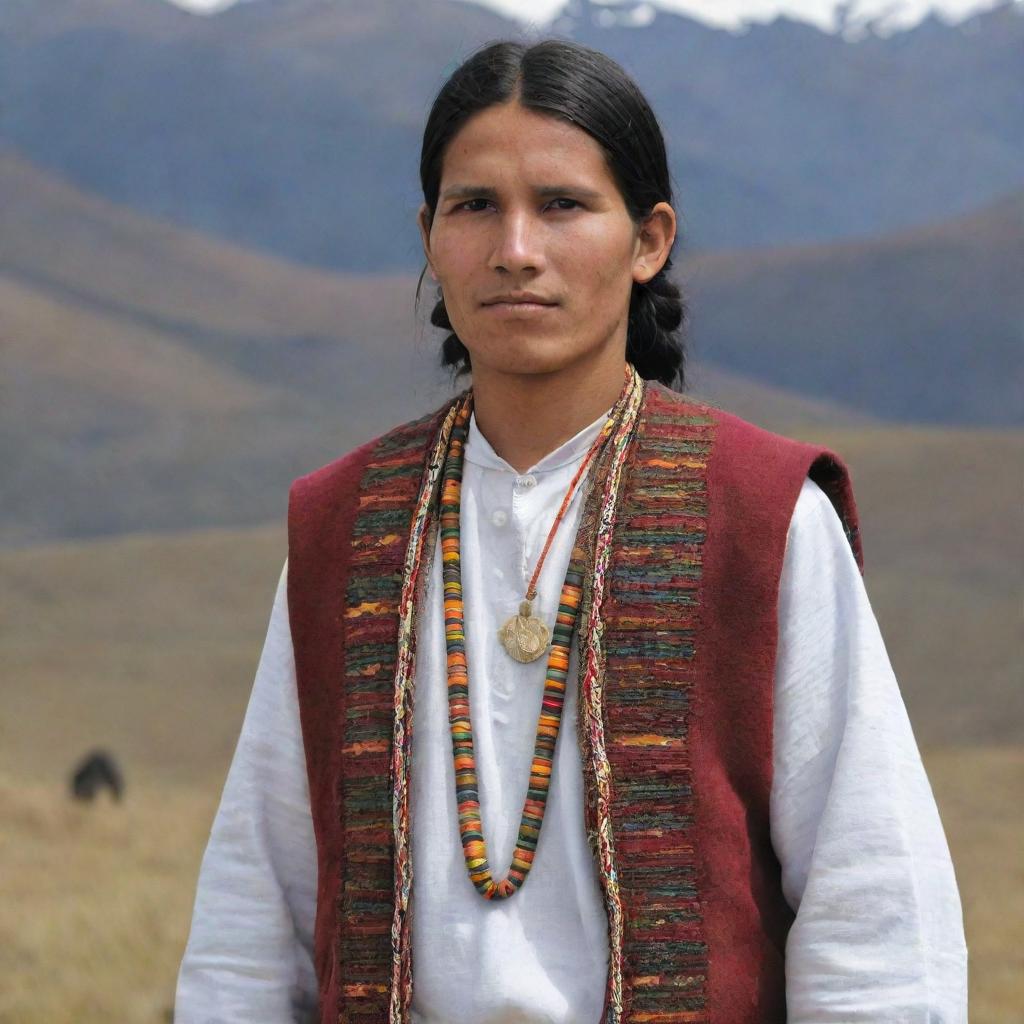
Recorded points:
549,721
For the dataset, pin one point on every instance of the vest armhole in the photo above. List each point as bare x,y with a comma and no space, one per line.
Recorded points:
830,473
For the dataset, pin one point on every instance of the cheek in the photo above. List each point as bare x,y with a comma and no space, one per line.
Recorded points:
598,259
451,256
599,283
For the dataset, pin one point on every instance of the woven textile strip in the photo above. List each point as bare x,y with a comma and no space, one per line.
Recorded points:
370,922
636,684
640,540
422,534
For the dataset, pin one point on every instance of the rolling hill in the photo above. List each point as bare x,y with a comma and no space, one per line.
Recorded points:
154,378
293,126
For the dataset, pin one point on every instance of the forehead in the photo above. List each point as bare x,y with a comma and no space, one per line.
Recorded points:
507,141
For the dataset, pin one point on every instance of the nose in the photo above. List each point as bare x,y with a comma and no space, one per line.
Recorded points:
519,245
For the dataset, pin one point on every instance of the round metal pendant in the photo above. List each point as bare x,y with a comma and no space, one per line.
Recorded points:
524,636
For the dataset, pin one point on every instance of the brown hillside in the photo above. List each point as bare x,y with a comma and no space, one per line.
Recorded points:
920,324
148,643
152,378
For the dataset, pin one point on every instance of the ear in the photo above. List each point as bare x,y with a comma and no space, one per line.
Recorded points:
423,221
654,242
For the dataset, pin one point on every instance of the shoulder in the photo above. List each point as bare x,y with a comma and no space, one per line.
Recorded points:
730,435
742,455
816,522
342,472
342,475
752,469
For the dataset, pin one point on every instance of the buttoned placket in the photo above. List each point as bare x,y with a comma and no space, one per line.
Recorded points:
526,502
517,510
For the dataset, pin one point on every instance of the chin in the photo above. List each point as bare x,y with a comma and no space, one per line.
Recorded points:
525,355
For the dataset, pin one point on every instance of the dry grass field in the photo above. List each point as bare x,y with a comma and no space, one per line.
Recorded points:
95,901
146,644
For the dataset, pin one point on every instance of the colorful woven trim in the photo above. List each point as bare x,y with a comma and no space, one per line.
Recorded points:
372,923
639,550
591,555
636,681
415,564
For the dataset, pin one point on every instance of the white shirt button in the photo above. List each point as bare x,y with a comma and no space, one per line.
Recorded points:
499,517
526,481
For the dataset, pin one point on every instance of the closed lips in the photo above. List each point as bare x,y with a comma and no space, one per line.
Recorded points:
527,297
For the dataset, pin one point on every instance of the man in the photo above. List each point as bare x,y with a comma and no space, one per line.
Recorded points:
572,707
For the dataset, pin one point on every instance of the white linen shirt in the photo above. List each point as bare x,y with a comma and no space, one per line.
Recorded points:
878,934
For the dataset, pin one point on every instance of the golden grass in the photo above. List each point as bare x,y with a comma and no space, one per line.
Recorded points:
147,644
980,793
95,900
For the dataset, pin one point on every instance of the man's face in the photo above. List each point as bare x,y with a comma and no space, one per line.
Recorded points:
495,231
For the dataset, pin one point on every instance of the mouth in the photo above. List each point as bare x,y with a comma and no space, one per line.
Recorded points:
519,311
519,307
520,298
519,304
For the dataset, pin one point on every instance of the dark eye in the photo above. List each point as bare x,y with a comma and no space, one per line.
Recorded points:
462,206
565,199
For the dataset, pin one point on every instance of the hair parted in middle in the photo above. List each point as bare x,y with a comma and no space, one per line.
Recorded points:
563,79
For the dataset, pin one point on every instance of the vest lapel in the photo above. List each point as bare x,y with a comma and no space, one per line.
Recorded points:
370,957
635,683
636,633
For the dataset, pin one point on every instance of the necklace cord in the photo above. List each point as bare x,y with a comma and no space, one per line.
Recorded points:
599,442
466,784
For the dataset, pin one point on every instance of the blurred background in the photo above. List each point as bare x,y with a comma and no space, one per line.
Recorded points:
208,259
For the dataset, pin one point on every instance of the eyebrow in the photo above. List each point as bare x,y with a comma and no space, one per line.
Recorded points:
546,191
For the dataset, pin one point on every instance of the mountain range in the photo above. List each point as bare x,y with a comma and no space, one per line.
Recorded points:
152,376
207,237
294,125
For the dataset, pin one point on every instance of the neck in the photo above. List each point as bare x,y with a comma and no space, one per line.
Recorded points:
526,416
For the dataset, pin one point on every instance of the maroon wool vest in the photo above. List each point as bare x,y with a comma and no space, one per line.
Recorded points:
698,922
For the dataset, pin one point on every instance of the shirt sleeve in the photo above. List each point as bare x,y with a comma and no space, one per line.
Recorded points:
878,934
249,953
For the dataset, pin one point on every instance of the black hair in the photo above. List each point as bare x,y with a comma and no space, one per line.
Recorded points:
585,87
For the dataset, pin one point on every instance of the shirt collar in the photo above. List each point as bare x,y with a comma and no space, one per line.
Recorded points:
478,449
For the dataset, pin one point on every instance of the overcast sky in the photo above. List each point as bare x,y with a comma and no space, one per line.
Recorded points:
732,13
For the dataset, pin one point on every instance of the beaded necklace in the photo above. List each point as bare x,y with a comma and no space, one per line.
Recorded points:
466,788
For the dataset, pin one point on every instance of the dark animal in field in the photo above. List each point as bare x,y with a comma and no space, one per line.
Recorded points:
96,771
